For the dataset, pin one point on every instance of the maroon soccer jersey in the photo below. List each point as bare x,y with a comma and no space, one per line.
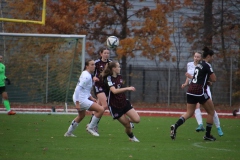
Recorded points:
100,65
198,85
115,100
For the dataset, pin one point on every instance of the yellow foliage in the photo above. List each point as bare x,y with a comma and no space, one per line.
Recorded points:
126,48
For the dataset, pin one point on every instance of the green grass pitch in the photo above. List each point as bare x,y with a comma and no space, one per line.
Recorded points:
38,137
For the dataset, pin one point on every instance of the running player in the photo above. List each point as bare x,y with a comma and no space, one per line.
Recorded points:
119,107
198,115
3,92
98,82
83,101
197,93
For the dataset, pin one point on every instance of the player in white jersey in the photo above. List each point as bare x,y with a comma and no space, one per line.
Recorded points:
83,101
198,115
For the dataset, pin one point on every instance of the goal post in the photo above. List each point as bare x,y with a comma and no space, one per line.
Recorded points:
43,69
42,22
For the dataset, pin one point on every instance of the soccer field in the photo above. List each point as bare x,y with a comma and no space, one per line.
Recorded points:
38,137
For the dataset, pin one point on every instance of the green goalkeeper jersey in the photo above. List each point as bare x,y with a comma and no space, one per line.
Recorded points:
2,75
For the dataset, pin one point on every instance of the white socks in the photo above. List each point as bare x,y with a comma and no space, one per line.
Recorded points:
94,122
216,119
72,127
198,116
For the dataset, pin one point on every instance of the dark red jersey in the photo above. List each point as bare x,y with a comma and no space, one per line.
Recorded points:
115,100
198,85
100,65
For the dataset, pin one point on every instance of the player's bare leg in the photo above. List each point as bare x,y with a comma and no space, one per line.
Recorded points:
128,129
102,101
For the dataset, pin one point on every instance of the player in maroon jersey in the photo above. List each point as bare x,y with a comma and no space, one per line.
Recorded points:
197,93
119,107
98,82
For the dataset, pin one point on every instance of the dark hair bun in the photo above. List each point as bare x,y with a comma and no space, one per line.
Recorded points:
206,49
206,52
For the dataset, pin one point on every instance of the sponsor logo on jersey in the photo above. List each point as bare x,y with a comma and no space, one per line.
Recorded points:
119,86
116,115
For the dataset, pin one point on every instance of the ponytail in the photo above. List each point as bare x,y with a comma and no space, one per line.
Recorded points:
108,69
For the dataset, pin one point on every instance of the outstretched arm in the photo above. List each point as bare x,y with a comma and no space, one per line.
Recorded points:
120,90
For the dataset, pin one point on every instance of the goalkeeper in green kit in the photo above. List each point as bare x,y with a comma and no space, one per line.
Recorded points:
3,92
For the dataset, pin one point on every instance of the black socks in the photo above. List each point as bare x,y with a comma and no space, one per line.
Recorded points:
180,121
208,129
130,135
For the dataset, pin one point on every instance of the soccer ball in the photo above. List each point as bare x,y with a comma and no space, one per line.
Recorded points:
112,42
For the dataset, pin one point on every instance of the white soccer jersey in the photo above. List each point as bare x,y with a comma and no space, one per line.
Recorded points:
83,89
190,69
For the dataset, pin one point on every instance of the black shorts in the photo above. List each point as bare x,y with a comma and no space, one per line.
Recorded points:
118,112
2,89
98,89
197,99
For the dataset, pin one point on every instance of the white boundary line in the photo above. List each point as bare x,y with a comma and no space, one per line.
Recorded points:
219,149
73,111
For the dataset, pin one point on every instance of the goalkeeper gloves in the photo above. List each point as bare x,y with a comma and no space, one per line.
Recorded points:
8,81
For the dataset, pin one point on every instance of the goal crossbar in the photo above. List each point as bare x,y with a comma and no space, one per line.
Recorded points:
42,22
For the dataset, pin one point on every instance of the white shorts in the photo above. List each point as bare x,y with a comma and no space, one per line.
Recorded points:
84,104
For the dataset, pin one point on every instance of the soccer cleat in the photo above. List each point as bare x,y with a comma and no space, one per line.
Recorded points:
11,113
173,132
220,132
95,128
209,138
69,135
200,128
134,139
92,131
132,125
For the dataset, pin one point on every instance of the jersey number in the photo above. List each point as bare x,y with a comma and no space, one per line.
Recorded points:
195,76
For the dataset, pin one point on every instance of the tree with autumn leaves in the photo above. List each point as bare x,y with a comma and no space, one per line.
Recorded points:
144,30
216,25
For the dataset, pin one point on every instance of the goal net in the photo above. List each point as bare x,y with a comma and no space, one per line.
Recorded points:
43,69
